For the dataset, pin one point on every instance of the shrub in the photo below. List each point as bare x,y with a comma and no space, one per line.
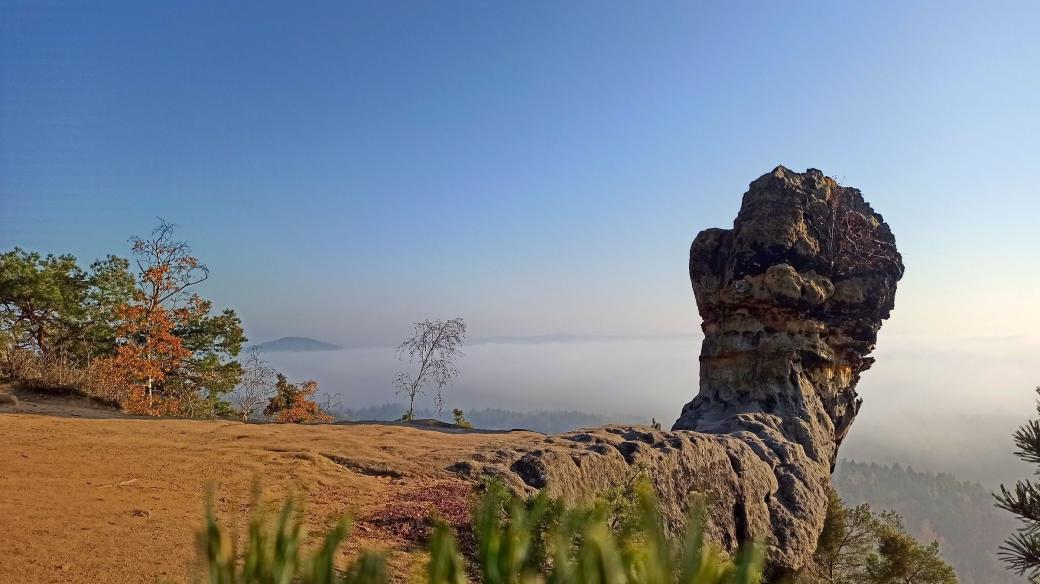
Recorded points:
291,403
859,545
531,542
274,556
460,418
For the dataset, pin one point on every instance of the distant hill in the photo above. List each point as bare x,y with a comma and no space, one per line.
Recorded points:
959,514
287,344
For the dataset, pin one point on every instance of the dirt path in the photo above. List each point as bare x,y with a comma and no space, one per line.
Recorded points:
89,495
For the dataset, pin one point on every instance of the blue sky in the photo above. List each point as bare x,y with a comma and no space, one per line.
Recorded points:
347,168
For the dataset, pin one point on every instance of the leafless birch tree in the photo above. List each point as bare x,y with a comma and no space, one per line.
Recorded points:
434,349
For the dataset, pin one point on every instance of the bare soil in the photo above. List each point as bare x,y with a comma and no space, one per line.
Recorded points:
89,495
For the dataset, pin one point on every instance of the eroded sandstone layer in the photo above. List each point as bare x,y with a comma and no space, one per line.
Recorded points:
792,298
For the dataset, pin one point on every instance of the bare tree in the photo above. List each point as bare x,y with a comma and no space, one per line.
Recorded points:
856,241
434,348
167,268
256,386
331,404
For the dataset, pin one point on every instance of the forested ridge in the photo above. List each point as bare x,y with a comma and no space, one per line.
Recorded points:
959,514
545,421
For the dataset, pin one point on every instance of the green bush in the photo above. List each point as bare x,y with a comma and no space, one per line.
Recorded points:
460,418
534,541
273,556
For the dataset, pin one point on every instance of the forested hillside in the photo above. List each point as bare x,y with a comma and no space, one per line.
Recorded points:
959,514
545,421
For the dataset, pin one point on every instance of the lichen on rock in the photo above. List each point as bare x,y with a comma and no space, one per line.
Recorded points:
792,298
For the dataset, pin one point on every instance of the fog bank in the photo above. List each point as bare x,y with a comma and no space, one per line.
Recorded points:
945,410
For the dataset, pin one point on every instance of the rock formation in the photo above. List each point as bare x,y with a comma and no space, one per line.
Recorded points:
792,298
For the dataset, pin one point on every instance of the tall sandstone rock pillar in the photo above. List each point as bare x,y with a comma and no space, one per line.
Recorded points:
792,298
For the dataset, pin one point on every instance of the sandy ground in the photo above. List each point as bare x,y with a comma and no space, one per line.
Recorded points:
90,495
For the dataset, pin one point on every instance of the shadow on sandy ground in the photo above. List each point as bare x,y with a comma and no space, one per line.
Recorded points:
57,402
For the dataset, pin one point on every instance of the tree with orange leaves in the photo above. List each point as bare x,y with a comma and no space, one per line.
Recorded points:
175,358
149,353
291,403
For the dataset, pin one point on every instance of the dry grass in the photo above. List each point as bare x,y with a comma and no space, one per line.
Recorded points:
58,373
119,499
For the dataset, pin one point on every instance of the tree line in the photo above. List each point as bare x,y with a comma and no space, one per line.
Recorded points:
135,333
858,545
936,506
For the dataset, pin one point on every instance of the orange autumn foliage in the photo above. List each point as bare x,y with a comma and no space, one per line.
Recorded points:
291,404
151,350
107,381
140,403
137,338
149,353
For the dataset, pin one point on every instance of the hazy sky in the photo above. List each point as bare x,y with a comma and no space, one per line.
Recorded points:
347,168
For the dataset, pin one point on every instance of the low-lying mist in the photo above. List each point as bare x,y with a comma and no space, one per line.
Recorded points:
950,410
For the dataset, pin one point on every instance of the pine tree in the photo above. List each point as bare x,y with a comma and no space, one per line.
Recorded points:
859,546
1021,551
901,559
